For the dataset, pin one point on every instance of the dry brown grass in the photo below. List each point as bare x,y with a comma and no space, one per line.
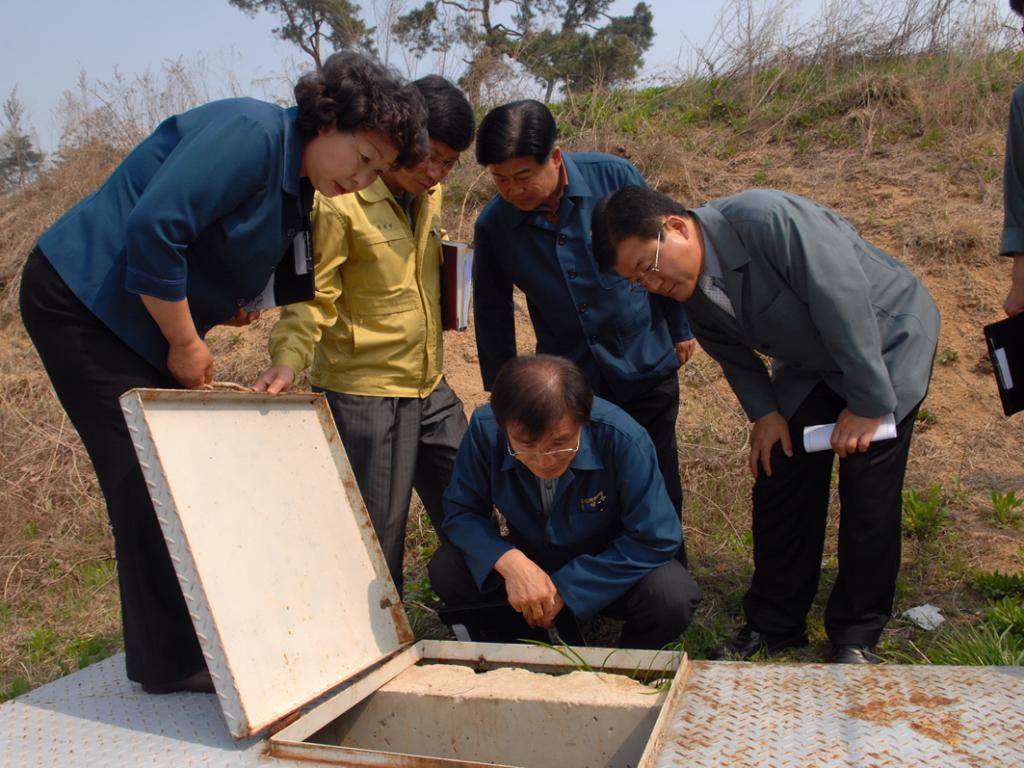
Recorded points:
909,151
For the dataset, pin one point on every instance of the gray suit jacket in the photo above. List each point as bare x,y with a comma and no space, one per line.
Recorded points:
818,299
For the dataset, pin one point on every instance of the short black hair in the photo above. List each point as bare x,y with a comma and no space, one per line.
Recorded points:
518,129
450,118
536,391
1017,6
631,210
354,92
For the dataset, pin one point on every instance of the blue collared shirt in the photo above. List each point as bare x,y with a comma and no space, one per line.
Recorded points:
204,209
615,332
610,508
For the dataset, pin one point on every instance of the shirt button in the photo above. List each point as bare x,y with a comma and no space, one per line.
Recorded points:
562,239
572,274
239,302
593,339
584,307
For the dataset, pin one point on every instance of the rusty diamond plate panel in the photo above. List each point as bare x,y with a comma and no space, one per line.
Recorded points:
828,716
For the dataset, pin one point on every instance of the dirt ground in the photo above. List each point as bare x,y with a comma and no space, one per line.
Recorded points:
941,219
935,207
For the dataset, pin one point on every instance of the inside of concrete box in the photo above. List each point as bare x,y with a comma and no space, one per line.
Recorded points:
510,716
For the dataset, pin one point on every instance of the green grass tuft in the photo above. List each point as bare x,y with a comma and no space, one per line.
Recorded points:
1007,614
996,586
1005,509
15,688
978,645
924,515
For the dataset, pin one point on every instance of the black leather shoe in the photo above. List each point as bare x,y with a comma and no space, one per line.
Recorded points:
200,682
854,654
749,642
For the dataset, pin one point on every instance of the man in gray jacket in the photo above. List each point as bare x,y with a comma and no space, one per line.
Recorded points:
851,334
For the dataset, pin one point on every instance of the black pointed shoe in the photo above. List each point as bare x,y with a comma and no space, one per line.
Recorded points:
854,654
199,682
749,642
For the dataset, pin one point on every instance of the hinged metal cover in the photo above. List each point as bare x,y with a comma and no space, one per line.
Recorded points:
273,547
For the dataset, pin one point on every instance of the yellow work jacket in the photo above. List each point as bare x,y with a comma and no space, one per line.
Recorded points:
374,325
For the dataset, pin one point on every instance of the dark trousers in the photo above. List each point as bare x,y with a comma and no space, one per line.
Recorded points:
789,517
90,368
656,610
656,410
395,444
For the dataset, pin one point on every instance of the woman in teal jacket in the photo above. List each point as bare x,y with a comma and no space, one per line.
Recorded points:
185,233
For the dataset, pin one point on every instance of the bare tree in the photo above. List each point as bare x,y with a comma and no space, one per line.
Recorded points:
385,15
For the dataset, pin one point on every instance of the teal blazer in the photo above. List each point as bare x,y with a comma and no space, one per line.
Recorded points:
820,301
204,209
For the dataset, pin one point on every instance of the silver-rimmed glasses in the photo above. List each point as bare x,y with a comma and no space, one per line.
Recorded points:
641,280
542,454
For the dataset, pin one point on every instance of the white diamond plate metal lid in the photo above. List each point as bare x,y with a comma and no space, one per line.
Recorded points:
273,547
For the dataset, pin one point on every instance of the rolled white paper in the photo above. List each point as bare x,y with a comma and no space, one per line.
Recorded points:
818,437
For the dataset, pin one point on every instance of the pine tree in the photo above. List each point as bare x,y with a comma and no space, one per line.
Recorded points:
307,23
20,161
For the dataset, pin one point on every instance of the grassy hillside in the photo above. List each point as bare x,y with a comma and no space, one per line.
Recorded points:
908,150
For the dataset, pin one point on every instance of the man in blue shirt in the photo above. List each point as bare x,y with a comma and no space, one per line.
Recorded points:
590,525
535,235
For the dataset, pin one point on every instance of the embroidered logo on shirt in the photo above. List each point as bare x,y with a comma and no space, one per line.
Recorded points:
594,503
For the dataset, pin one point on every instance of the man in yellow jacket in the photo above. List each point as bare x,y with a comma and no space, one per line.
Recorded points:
371,335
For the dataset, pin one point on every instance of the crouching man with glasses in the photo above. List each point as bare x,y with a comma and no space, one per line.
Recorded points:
591,529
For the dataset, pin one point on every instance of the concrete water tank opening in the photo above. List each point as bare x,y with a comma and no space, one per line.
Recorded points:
509,716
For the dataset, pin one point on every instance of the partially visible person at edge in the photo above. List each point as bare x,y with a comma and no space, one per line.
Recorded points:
373,331
120,291
1012,243
851,333
591,529
535,234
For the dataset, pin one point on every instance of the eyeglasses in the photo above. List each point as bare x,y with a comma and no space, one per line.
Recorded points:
436,160
541,454
641,280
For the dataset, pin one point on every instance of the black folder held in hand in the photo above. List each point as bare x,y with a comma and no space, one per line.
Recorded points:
1005,340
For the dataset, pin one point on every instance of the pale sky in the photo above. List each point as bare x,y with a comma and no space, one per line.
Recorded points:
45,44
